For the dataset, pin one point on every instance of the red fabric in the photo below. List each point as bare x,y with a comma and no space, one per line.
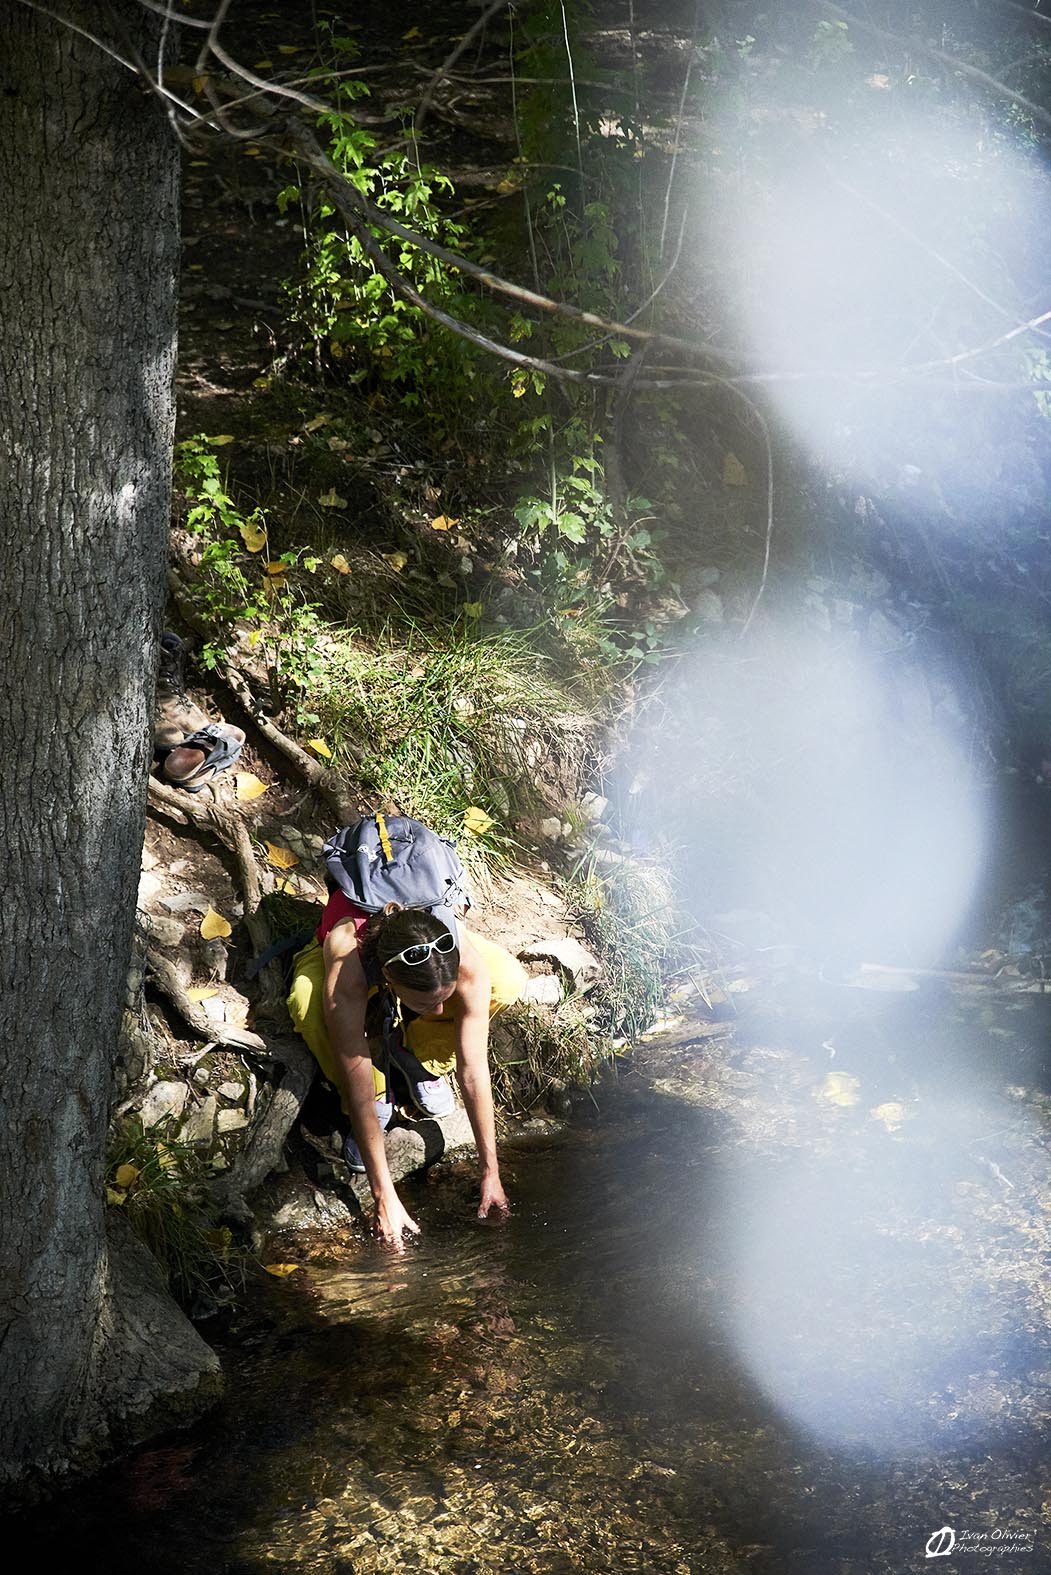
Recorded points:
338,908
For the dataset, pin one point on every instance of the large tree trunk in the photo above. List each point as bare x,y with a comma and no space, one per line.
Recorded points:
88,242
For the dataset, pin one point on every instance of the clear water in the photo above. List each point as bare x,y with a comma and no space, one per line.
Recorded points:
613,1380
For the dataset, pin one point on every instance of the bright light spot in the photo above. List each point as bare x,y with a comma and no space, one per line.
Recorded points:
867,257
827,789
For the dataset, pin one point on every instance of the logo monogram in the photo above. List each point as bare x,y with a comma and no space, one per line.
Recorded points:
941,1544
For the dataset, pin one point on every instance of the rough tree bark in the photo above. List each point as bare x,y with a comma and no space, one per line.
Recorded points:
90,1345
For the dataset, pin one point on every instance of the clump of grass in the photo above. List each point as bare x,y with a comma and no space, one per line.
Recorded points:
629,916
159,1182
445,721
536,1057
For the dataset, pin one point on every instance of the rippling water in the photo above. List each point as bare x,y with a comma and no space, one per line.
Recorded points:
683,1352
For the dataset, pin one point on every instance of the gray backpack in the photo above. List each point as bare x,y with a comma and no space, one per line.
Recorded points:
382,859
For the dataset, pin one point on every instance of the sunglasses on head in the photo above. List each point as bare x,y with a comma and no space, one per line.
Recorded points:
414,955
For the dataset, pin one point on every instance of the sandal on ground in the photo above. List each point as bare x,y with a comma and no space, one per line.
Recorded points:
220,745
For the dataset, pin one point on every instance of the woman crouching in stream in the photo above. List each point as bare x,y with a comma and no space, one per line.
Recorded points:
449,984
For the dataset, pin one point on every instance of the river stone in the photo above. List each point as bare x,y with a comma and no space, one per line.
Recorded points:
231,1120
163,1099
232,1090
199,1126
593,806
149,886
164,932
568,953
544,990
182,901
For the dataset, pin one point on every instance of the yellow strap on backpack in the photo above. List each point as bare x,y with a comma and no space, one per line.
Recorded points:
381,828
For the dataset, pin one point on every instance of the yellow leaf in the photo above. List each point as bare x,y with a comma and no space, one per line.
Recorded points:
260,382
413,32
317,423
280,858
892,1115
476,821
115,1197
286,885
275,568
201,992
506,187
472,609
222,439
249,786
263,65
734,473
279,1270
518,390
253,536
336,350
397,560
252,153
319,747
340,564
166,1158
213,925
443,522
254,638
200,84
126,1176
331,499
287,49
840,1088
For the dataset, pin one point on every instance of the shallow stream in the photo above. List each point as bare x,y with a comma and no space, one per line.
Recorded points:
730,1325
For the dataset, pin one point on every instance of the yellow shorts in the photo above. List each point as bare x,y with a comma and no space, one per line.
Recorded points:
432,1040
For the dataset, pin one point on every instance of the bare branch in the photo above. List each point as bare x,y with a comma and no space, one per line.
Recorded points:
991,83
423,107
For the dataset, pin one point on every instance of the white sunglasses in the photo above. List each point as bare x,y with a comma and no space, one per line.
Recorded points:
414,955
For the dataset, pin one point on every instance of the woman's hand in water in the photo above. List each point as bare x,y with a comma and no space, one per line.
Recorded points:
392,1221
493,1197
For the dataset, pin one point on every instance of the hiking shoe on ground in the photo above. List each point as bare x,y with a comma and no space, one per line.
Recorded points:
351,1151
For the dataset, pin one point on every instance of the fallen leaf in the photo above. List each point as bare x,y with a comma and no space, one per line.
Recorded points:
476,821
275,568
126,1176
840,1088
214,926
892,1115
506,187
115,1197
286,885
878,80
279,1270
413,32
201,992
331,499
472,609
253,536
397,560
222,439
340,564
418,672
249,786
443,522
734,473
317,423
319,747
288,49
280,858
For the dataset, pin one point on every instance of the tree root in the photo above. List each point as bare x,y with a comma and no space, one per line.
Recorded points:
261,1153
164,976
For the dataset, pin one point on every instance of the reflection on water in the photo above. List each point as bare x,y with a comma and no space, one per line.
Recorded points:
578,1389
